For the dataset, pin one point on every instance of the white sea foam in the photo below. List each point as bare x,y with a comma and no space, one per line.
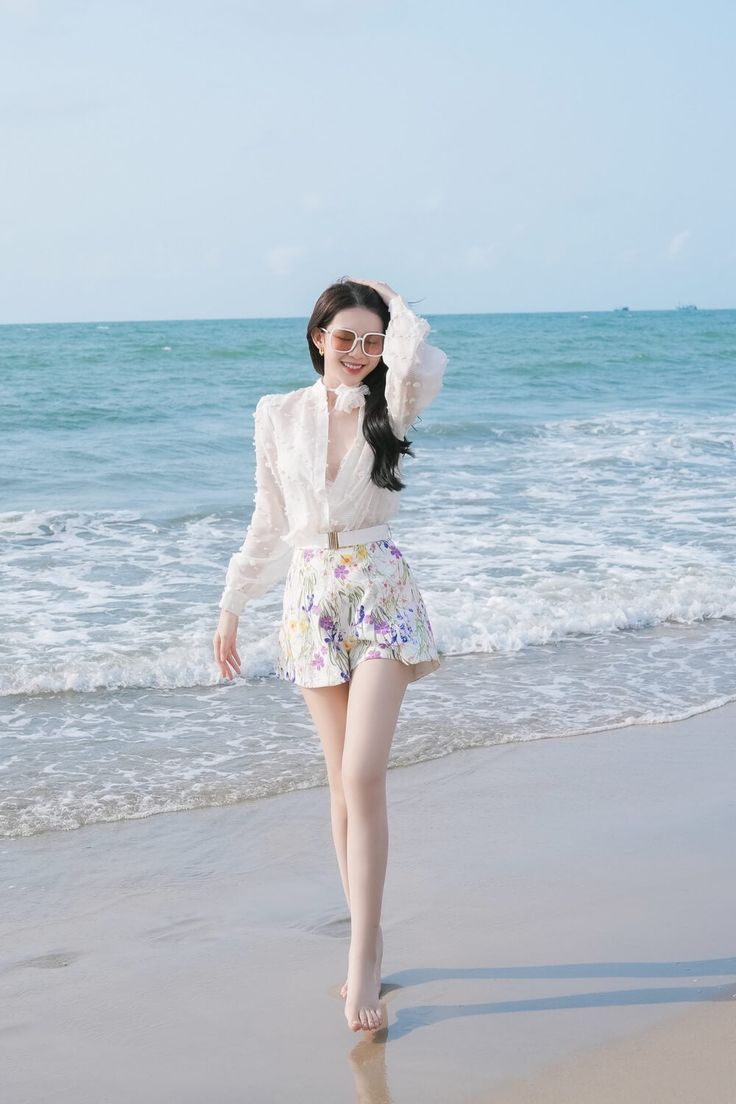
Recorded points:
507,555
569,518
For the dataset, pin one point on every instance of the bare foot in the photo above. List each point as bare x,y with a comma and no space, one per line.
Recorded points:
362,1009
379,959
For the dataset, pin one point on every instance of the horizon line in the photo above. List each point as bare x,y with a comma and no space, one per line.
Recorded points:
435,314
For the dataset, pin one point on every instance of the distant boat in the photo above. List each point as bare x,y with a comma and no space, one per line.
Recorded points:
618,309
686,306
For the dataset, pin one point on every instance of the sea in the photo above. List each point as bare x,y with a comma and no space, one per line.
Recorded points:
569,517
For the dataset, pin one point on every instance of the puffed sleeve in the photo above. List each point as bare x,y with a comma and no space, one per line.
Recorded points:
264,556
414,369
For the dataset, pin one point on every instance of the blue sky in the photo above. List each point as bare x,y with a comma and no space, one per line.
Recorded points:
223,159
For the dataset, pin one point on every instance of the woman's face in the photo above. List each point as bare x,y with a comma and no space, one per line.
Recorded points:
349,367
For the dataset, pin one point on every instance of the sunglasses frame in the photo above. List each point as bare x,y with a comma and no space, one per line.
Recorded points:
373,333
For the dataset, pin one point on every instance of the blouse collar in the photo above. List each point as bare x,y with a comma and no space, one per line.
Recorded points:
346,396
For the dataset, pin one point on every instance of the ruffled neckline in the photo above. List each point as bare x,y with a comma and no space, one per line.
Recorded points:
347,396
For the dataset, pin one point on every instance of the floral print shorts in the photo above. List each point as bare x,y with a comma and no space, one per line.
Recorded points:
344,605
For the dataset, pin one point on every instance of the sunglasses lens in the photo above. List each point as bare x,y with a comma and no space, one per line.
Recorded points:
343,341
373,344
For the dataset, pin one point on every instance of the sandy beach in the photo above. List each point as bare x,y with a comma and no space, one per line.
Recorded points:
558,921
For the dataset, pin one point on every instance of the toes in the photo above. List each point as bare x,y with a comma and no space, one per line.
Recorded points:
367,1019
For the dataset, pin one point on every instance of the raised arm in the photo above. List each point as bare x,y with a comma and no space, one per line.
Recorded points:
415,369
264,556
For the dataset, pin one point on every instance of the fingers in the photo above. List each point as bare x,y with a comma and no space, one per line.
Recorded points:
218,647
226,656
386,292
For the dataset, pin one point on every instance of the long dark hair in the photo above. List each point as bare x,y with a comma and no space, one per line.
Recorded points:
387,447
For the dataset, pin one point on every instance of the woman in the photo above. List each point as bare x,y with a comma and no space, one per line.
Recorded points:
328,457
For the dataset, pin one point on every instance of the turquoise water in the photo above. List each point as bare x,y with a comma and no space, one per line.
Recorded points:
569,517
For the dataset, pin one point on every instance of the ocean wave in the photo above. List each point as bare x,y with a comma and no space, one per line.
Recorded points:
69,658
151,784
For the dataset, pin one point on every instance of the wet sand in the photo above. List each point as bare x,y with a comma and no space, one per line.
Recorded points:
688,1059
558,917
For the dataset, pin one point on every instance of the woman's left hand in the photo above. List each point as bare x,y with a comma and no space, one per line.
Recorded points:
387,293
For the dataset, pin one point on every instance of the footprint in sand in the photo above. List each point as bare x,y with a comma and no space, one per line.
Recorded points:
52,961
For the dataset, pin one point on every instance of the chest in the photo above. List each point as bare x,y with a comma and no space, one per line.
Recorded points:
344,433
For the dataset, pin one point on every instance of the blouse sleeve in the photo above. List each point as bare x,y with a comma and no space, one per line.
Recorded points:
414,369
264,556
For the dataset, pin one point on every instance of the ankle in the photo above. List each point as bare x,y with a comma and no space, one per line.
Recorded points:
367,954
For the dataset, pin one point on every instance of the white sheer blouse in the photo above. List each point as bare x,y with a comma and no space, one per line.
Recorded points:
293,496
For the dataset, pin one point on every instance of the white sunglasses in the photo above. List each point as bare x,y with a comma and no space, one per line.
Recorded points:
344,341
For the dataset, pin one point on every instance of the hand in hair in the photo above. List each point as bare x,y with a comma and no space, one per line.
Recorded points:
387,293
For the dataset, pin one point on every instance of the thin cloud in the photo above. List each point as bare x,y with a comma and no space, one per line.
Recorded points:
313,201
677,243
479,257
19,7
282,259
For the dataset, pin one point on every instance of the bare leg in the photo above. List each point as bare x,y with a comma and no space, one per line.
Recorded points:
376,692
328,706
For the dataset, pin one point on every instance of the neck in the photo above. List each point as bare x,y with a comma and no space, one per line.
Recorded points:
339,384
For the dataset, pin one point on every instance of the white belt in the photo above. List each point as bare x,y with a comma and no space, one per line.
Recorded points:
335,538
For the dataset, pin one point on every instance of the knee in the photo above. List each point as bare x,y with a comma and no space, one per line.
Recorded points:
338,804
361,784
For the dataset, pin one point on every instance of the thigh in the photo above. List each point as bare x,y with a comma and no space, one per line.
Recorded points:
328,708
377,690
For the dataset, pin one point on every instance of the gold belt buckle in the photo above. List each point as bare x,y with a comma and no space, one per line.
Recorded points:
332,538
